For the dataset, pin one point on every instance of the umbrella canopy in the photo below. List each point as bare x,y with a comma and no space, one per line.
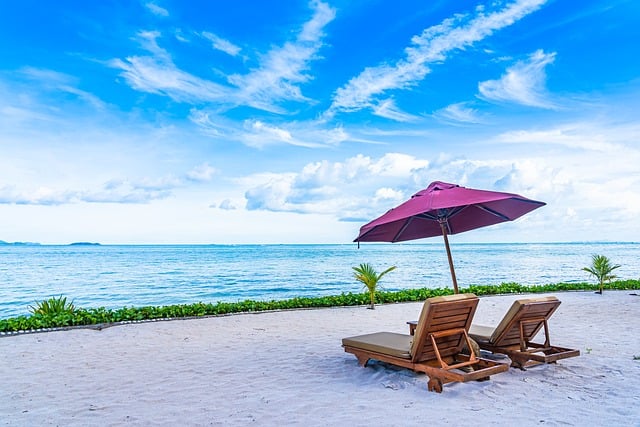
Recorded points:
443,209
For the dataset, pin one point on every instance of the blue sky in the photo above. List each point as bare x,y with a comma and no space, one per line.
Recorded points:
298,121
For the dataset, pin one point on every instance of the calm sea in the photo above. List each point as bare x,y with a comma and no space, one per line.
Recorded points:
117,276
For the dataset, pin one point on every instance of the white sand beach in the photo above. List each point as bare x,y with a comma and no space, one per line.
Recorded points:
288,368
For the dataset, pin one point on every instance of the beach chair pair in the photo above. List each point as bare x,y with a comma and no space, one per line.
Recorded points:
436,343
435,349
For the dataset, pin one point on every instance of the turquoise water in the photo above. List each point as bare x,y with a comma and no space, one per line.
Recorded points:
117,276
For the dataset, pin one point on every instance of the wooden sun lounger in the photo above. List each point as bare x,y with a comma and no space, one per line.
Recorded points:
436,347
515,333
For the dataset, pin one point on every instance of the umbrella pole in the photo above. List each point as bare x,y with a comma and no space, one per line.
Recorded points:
446,244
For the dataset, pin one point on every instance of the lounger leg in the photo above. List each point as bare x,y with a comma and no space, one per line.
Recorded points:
435,385
362,361
518,362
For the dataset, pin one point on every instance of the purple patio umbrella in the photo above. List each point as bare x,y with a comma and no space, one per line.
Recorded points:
443,209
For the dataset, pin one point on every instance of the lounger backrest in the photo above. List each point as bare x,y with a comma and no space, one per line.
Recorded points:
508,330
441,314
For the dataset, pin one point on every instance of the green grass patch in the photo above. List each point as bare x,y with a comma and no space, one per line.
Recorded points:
58,313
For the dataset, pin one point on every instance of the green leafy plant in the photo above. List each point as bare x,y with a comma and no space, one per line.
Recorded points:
366,274
98,317
601,268
54,306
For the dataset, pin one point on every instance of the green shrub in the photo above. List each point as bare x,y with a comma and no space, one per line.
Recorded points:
53,306
57,312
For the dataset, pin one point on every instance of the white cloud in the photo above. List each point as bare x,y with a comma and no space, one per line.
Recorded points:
312,30
388,194
361,188
157,10
344,189
584,136
42,81
428,48
128,192
259,134
179,35
158,74
221,44
459,113
201,173
122,192
523,83
397,165
276,80
387,108
283,68
9,195
227,205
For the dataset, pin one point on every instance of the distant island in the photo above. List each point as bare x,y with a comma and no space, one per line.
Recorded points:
3,243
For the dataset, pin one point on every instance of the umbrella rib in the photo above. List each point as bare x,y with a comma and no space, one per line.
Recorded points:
493,212
404,227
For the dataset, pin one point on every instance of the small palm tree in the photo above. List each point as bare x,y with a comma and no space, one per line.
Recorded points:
366,274
601,268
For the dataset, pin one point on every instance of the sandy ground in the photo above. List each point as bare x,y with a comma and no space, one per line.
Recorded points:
288,368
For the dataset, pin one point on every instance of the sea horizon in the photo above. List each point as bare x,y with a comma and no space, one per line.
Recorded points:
90,243
118,275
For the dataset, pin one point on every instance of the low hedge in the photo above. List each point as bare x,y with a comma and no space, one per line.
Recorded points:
103,316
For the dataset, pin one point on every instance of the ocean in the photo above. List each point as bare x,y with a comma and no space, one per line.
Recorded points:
114,276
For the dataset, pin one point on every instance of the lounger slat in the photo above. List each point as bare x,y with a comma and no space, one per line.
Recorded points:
458,321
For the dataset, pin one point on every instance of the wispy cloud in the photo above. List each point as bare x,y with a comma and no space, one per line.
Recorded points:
9,195
275,80
284,68
122,192
260,134
157,10
221,44
303,134
54,82
584,136
388,109
179,35
117,191
158,74
523,83
460,113
430,47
